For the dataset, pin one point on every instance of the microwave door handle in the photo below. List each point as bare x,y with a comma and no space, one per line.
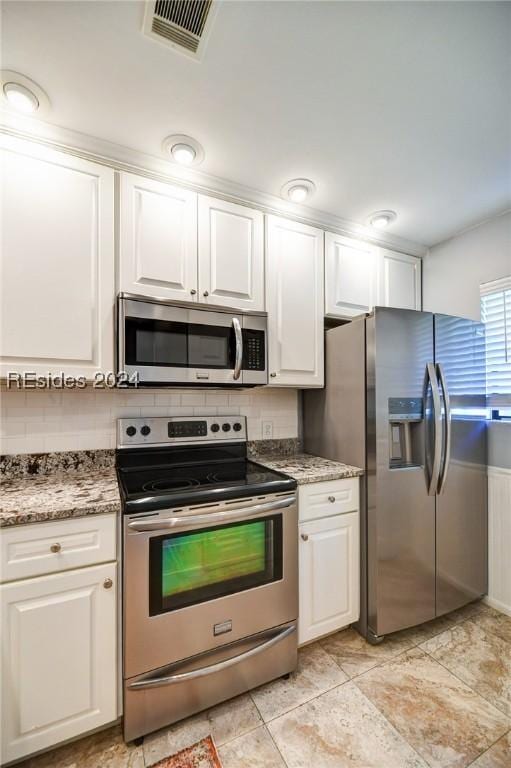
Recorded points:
447,410
210,518
239,348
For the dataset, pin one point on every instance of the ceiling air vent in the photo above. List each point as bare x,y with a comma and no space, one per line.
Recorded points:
182,24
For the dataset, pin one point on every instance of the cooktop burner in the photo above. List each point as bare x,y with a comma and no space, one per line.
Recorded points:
170,484
174,474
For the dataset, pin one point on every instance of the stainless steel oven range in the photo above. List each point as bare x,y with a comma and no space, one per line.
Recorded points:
210,568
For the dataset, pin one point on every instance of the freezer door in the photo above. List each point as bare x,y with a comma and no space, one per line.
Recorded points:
461,504
401,513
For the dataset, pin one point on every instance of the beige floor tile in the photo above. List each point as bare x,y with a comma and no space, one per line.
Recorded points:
425,631
106,749
255,750
441,717
495,622
341,729
355,655
317,672
498,756
469,611
481,659
224,722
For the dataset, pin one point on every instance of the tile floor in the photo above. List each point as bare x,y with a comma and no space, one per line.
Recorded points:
438,695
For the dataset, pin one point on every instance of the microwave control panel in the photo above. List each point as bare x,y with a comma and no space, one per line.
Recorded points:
254,352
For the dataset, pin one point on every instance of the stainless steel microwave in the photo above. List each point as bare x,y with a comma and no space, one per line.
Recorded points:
164,343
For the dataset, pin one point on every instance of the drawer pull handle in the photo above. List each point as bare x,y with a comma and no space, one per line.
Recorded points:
55,548
331,499
108,583
305,536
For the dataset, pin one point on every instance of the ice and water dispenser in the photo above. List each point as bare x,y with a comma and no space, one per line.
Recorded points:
405,434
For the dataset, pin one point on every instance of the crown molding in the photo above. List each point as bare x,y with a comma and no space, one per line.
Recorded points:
123,158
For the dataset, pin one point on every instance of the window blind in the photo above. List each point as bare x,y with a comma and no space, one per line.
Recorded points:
496,315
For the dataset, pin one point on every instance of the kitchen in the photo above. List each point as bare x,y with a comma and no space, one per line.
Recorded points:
255,384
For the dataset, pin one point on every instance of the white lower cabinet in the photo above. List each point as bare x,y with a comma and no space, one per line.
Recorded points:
329,561
59,657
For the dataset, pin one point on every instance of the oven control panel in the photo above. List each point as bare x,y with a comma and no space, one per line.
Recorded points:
173,430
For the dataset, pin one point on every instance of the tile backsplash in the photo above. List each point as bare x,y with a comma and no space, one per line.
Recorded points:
34,421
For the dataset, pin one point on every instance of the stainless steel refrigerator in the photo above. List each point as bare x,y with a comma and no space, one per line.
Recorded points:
405,399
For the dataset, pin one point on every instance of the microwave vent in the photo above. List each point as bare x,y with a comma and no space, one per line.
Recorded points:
182,24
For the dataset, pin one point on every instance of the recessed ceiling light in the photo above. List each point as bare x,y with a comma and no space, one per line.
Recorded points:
21,98
183,149
382,219
21,93
298,190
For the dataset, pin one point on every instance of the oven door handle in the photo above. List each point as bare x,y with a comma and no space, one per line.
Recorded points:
182,677
212,518
239,348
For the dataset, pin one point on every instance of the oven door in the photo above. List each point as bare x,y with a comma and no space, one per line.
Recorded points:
165,344
198,578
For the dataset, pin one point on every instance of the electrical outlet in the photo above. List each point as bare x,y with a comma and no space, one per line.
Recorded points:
267,430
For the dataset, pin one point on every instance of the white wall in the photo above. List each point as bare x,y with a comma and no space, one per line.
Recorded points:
454,270
33,421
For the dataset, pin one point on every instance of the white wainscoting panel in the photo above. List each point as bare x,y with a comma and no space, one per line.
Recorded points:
499,539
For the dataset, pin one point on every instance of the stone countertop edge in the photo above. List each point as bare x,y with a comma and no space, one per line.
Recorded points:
43,498
61,496
306,468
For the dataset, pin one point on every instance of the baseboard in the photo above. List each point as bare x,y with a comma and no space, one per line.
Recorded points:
498,605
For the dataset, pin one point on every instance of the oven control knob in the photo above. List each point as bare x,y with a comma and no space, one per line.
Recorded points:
215,427
226,427
131,431
237,427
145,430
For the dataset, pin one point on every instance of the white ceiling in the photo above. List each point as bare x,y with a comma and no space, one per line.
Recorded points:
384,105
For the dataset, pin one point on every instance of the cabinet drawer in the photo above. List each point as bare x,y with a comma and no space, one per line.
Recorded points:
33,550
332,497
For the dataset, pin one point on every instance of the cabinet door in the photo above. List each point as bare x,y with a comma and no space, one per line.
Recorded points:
295,301
158,239
350,276
231,255
59,663
57,262
329,575
400,280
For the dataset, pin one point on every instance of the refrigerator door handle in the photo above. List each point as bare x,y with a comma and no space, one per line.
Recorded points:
447,409
431,379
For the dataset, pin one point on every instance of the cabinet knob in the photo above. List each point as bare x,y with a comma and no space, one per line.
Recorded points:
331,499
55,548
305,536
193,291
108,583
273,375
206,293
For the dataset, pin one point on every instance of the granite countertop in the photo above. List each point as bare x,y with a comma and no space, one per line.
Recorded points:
76,485
58,496
305,468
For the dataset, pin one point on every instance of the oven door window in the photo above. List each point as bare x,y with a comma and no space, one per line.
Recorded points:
178,345
195,566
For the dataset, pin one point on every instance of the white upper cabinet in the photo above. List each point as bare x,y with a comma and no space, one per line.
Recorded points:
57,262
400,280
295,303
158,239
231,254
350,276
